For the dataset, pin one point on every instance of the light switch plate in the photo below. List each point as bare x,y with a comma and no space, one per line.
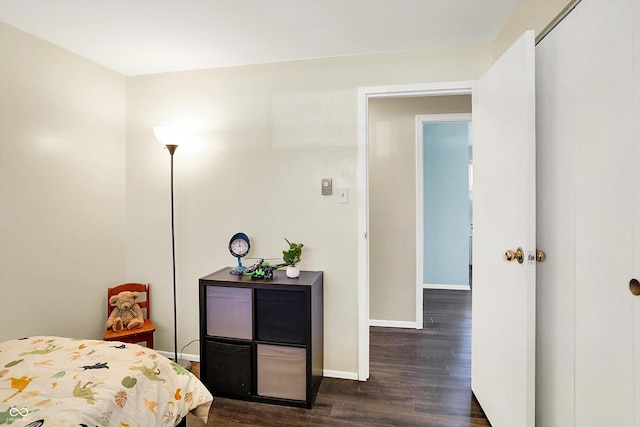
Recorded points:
343,195
327,186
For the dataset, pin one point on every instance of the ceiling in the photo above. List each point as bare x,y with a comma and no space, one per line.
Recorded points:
136,37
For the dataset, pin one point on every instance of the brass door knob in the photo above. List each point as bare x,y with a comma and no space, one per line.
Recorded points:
517,255
634,286
540,256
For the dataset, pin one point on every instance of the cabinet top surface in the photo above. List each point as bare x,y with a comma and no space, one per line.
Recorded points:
307,278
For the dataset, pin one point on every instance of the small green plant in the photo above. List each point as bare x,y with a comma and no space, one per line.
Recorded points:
291,256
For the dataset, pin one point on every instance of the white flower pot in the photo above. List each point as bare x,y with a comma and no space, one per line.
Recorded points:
293,272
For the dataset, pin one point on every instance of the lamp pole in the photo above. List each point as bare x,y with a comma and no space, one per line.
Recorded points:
172,149
167,136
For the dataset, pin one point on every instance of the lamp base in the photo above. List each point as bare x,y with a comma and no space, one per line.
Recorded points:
184,363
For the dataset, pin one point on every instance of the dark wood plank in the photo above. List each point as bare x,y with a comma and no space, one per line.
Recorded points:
418,378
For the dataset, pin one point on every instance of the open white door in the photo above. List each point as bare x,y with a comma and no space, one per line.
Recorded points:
503,336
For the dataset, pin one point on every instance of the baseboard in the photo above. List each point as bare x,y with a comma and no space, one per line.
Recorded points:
340,374
446,287
171,355
393,324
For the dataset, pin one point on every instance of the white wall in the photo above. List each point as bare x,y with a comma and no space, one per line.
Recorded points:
62,221
265,136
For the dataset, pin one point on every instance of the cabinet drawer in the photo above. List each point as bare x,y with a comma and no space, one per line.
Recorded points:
282,372
281,316
228,368
229,312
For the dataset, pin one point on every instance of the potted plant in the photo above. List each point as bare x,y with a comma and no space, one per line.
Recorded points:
291,257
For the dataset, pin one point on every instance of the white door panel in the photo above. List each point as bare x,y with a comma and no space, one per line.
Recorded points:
604,215
589,204
556,148
636,198
503,356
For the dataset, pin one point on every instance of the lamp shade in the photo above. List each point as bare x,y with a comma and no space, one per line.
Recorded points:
170,135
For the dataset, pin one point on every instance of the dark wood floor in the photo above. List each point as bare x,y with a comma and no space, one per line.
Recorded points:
417,378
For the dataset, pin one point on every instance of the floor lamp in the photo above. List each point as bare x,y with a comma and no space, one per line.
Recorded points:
168,138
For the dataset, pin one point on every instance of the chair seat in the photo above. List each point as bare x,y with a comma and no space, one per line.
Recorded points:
133,335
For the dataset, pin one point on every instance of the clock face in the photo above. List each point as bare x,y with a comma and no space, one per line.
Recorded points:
239,245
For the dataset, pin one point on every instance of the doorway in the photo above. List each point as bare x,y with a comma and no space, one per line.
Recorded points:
365,257
504,294
444,200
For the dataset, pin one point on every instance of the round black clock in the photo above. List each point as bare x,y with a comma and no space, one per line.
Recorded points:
239,246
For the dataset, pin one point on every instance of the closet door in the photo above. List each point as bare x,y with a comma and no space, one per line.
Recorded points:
604,247
556,148
636,198
588,154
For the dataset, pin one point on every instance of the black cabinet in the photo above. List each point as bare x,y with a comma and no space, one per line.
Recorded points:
262,340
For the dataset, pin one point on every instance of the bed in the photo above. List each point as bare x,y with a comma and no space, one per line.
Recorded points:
60,382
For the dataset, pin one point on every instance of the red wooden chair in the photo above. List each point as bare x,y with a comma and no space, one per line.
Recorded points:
134,336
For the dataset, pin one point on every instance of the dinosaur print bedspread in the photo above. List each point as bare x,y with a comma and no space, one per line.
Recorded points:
61,382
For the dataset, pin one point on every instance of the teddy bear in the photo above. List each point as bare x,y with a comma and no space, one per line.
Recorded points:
126,312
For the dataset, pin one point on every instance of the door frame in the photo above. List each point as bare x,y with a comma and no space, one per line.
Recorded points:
364,94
